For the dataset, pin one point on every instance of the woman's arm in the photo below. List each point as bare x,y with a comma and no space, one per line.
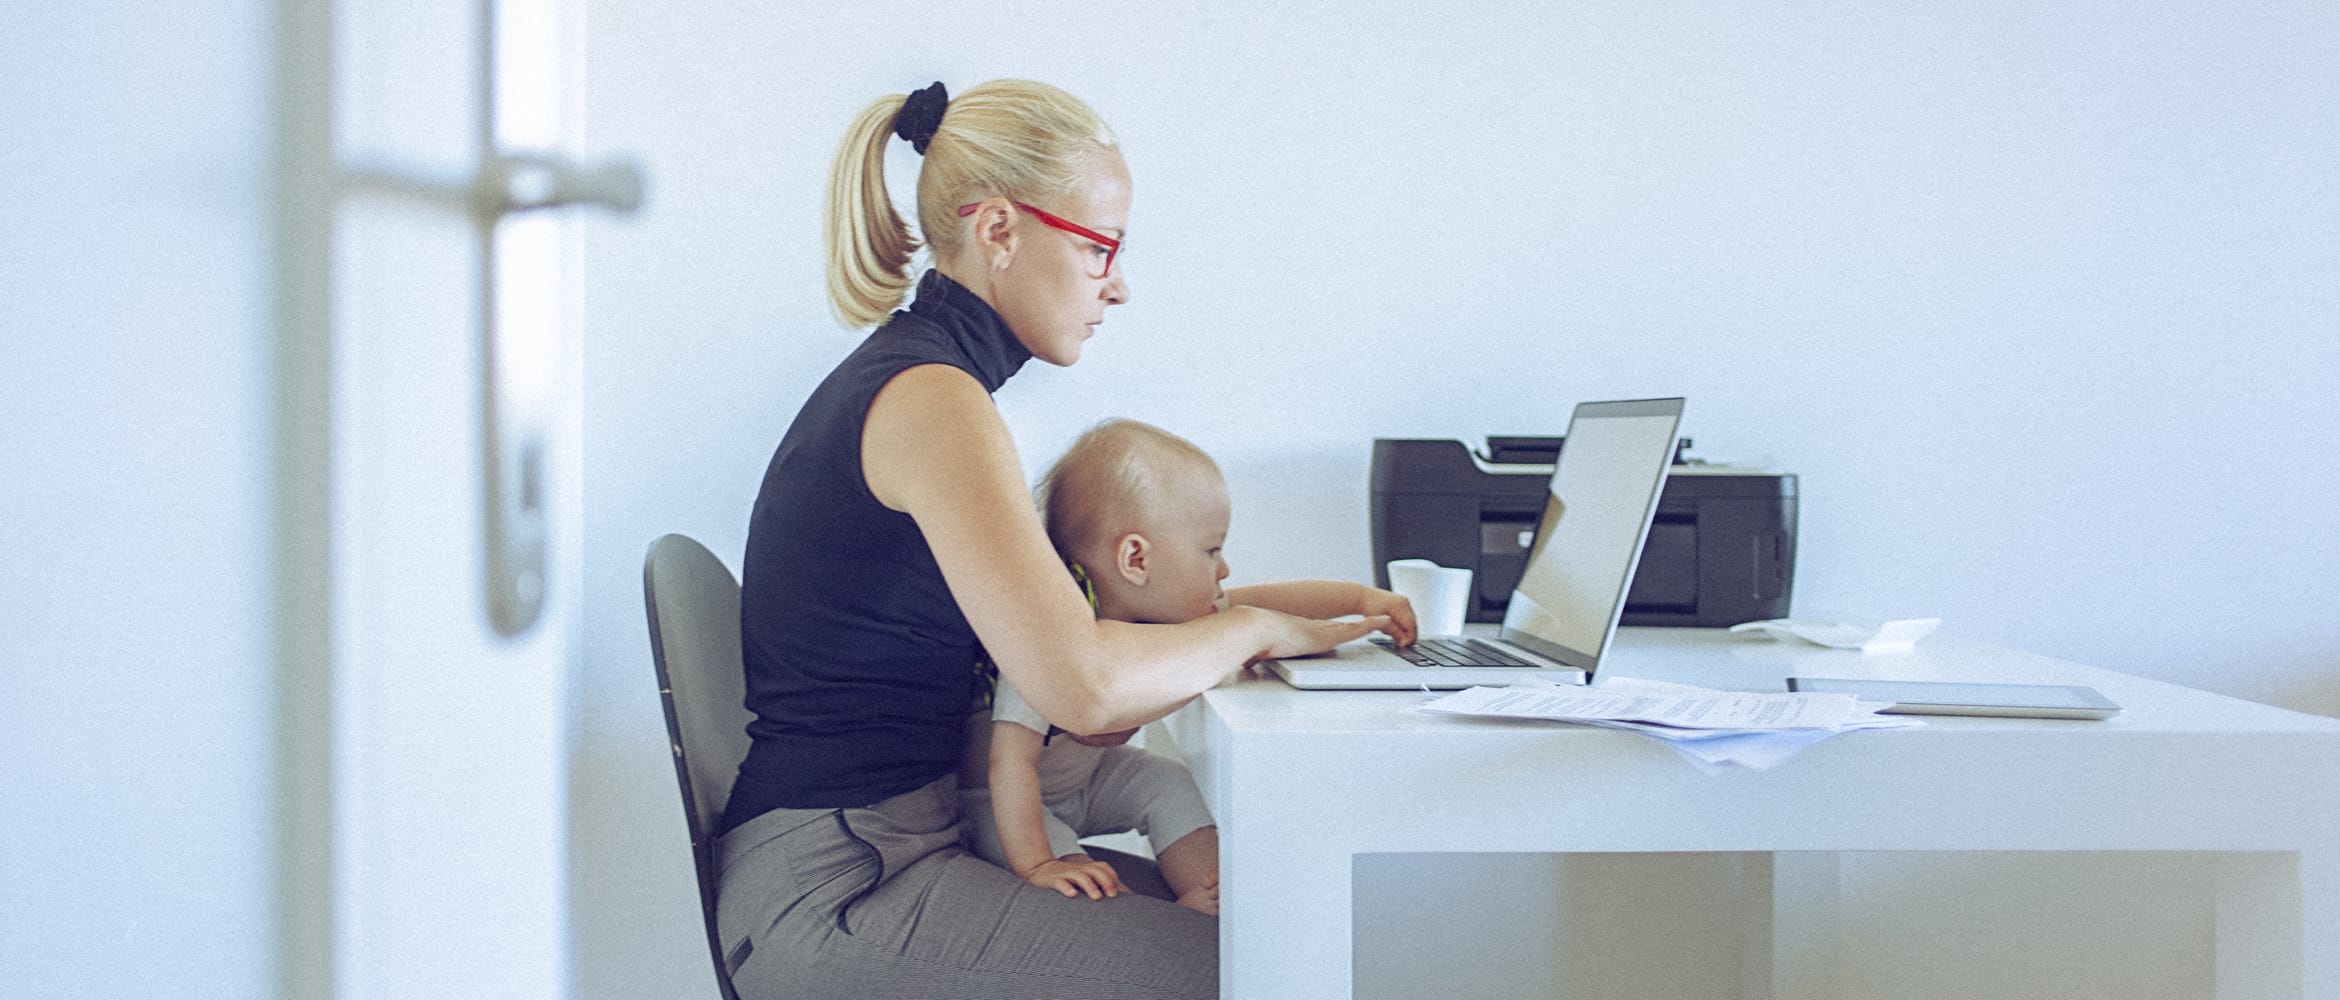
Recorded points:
1330,599
934,447
1016,811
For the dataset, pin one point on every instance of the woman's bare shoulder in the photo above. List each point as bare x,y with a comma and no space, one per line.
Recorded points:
932,424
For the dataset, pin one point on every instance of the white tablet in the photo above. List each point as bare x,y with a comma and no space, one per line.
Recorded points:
2027,701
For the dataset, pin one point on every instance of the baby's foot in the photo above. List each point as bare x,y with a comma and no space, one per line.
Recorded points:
1202,899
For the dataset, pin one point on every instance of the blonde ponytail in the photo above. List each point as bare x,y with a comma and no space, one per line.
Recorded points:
1019,139
869,244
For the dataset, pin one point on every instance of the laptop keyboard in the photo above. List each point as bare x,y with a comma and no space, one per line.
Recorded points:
1452,653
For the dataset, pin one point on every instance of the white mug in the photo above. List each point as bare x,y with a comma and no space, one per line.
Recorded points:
1441,595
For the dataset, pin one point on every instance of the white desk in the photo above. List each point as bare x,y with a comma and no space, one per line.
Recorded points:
1303,781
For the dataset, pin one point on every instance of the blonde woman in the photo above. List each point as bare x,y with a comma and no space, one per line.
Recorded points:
894,553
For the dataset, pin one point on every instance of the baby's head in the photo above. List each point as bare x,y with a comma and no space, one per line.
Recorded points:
1143,512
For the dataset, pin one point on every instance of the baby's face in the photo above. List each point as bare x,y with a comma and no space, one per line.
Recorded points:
1182,581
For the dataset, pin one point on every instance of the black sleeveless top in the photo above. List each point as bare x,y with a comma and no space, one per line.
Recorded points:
860,666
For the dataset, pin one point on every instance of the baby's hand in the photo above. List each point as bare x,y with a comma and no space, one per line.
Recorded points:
1290,636
1400,612
1075,875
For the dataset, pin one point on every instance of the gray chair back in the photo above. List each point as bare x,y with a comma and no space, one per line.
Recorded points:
693,601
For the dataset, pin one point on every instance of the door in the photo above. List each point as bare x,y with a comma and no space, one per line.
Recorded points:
432,317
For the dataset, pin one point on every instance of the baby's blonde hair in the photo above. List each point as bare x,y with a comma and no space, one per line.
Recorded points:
1022,140
1111,482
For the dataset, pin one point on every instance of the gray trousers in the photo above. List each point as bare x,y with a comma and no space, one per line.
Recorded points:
881,902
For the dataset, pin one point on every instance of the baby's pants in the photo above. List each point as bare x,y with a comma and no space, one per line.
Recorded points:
1130,790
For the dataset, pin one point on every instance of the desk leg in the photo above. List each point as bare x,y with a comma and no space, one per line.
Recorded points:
1794,939
2278,925
2319,897
1284,909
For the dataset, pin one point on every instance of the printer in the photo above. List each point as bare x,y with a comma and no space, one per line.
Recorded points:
1721,550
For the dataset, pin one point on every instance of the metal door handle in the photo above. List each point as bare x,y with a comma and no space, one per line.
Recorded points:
512,424
507,183
522,183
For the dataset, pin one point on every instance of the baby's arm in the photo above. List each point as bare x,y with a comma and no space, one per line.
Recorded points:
1330,599
1023,837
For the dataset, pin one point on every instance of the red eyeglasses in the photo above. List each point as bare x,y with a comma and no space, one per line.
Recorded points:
1112,246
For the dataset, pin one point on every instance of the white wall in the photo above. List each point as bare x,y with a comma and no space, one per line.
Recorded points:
2037,300
136,491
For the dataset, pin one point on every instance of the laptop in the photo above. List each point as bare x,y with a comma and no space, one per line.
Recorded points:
1562,619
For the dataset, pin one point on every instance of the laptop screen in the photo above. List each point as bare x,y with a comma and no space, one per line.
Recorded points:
1597,510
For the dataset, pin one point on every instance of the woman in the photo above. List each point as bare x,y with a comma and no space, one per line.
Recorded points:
894,551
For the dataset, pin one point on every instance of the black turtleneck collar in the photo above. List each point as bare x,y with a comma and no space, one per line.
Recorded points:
974,324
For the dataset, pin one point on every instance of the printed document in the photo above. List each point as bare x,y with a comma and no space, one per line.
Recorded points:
1705,709
1714,730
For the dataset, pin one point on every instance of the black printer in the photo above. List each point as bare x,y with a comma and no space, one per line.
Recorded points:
1722,549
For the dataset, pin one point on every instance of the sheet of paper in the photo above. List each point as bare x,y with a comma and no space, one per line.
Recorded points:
1736,710
1894,636
1753,751
1687,718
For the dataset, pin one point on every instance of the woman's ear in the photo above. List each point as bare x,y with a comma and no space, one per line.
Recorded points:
1129,558
994,232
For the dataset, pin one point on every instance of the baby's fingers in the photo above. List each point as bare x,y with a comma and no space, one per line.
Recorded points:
1088,883
1360,628
1108,879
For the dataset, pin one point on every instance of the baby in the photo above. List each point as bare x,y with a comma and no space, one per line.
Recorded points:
1140,515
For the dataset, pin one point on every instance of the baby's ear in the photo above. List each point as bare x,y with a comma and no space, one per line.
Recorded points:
1129,558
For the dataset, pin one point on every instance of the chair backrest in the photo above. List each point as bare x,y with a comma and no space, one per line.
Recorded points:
693,601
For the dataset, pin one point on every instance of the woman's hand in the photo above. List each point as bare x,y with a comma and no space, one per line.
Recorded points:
1290,636
1076,875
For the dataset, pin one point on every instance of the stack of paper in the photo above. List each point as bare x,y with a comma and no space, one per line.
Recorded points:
1713,729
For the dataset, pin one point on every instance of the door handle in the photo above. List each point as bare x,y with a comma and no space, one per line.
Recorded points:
513,422
526,182
508,183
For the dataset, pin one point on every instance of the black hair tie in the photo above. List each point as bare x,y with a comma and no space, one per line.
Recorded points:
921,114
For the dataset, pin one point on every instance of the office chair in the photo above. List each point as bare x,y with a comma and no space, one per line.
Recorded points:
693,602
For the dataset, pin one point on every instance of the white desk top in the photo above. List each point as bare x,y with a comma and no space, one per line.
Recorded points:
2204,766
1717,659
